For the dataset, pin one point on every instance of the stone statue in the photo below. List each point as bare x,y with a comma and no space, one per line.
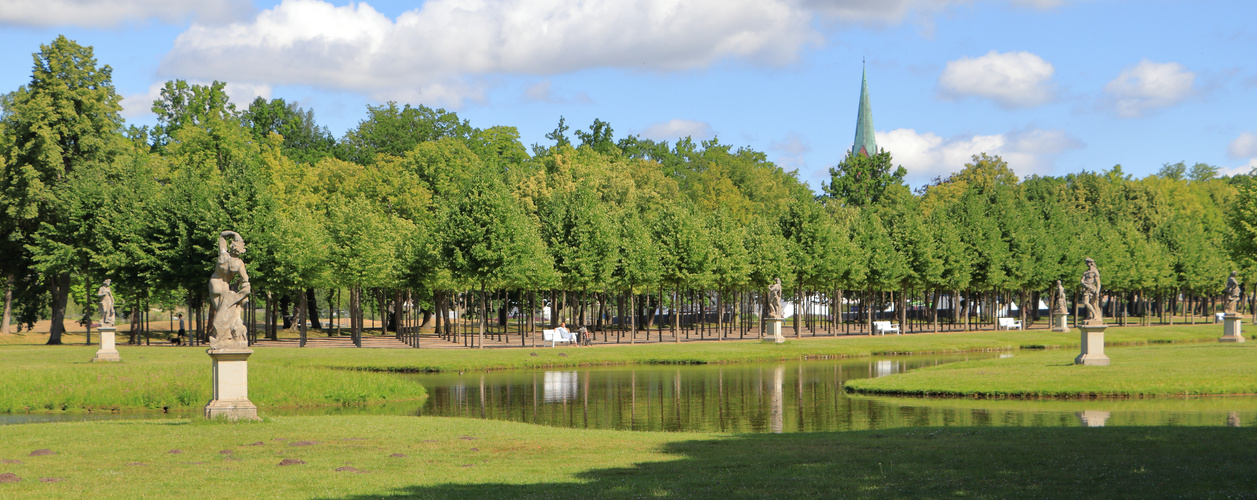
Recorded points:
1091,292
774,300
1232,294
1058,299
107,314
226,303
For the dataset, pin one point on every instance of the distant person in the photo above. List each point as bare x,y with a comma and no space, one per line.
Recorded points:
562,331
582,336
182,333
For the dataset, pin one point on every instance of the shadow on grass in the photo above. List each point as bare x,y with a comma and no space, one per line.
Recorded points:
1121,462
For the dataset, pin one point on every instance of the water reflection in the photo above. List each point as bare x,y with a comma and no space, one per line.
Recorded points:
779,397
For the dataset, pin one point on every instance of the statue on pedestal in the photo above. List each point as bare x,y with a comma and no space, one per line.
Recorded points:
1232,294
227,329
1091,292
774,300
107,314
1058,299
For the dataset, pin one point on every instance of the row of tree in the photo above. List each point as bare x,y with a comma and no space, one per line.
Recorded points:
426,210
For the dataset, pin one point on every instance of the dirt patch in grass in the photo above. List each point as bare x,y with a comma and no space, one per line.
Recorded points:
42,452
226,452
304,443
292,461
397,455
258,443
50,480
175,452
9,477
10,461
350,469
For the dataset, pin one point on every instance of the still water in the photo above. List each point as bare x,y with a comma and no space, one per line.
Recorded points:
781,397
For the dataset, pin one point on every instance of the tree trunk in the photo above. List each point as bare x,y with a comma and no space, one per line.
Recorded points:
312,308
8,308
397,313
59,287
303,303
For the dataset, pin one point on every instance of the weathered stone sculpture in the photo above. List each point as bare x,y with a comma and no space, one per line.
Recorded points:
1092,329
108,351
107,314
1232,294
1231,320
229,343
1091,292
1060,310
226,304
775,309
775,316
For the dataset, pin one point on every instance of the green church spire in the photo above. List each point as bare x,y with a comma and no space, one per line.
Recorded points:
865,143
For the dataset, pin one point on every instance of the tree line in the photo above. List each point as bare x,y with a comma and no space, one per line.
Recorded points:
416,212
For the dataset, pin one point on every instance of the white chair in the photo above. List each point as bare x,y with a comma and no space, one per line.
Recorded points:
553,336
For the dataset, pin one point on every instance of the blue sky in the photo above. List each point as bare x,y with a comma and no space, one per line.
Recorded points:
1054,86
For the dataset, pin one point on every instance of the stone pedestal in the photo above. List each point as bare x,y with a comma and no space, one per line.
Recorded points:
231,385
108,351
1093,418
1060,322
1231,331
773,325
1092,346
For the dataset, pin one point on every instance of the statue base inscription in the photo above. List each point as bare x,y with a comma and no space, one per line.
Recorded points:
1231,330
1060,322
1092,346
773,333
231,385
108,351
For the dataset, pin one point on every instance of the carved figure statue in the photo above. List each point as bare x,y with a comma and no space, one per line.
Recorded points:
774,300
107,314
226,302
1232,294
1058,299
1091,292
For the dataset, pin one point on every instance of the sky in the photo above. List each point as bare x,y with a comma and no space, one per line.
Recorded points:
1052,86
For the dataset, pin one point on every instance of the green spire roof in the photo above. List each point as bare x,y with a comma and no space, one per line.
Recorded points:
865,143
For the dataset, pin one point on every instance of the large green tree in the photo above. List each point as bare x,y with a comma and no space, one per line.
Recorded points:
67,117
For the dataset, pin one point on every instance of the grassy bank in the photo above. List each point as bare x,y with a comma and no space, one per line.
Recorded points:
1186,370
63,379
388,457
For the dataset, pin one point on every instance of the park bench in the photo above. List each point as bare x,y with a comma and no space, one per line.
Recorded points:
1008,324
1217,317
553,336
881,327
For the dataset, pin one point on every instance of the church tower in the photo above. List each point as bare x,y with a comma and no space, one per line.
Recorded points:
865,143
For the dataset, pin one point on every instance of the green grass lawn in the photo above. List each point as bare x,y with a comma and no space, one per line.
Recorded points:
60,378
427,457
52,378
1181,370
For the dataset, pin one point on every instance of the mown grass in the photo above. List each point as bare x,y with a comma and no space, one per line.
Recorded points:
38,379
461,458
1186,370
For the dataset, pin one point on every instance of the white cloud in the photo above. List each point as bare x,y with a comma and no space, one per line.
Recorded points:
1012,79
1244,146
106,13
677,129
432,51
876,11
1240,170
544,91
1148,86
792,148
926,155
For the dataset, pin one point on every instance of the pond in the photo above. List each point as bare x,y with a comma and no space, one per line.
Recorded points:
803,396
